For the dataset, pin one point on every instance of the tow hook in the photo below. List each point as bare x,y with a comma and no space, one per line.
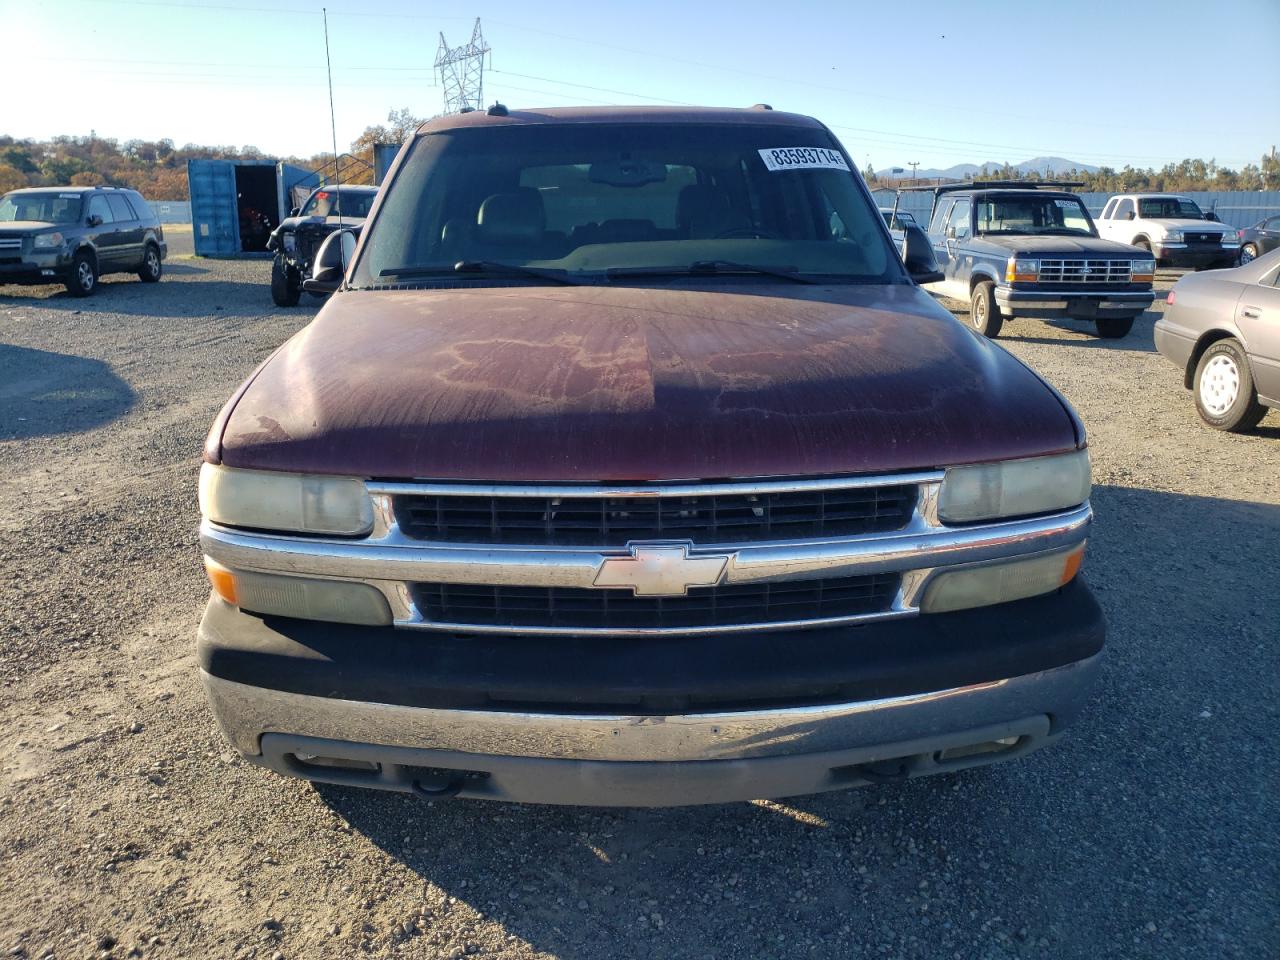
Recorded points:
450,789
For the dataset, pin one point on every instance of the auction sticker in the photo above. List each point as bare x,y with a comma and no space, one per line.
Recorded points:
802,158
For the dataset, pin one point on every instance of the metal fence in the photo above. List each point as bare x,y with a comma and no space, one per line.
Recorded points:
1237,208
172,211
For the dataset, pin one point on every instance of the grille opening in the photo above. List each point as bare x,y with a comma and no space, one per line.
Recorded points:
977,749
612,521
571,608
338,763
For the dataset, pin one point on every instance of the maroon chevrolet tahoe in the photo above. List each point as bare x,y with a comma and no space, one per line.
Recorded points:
630,465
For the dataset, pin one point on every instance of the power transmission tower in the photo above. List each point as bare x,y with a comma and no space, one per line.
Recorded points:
461,71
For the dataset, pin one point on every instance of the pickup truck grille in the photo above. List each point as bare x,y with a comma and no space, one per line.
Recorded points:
1213,238
569,608
612,521
1084,271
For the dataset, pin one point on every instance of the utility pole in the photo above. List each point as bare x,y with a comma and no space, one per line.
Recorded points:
461,71
913,164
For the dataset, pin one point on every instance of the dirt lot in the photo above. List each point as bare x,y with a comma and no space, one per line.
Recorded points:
128,829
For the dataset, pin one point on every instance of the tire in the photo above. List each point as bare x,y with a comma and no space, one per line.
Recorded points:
1113,328
1248,253
83,279
286,289
151,268
1225,398
984,314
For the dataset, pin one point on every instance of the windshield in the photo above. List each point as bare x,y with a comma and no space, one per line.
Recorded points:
617,202
324,203
47,207
1169,208
1033,215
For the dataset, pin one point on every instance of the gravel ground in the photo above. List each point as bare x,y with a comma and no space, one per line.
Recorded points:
128,829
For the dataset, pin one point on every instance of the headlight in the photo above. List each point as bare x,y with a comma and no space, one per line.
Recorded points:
47,241
1173,236
1230,240
1142,269
299,503
1019,269
1014,488
289,242
981,586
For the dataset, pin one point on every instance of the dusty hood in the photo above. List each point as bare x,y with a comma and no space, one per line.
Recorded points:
618,383
1065,246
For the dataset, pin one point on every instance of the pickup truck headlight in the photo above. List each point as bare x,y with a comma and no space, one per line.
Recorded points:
1142,269
46,241
987,584
1014,488
1020,270
1173,236
299,503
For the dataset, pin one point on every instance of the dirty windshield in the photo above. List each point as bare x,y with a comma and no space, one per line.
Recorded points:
324,203
46,207
1033,215
617,203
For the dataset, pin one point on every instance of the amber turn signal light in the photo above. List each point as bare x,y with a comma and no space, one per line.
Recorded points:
223,580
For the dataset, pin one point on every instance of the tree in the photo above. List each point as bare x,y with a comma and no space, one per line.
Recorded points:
87,178
11,178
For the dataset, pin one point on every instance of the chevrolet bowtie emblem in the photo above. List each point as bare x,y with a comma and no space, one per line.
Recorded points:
661,570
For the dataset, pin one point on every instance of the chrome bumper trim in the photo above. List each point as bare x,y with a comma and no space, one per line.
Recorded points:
246,712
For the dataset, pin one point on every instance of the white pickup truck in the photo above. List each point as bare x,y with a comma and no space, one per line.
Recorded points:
1173,228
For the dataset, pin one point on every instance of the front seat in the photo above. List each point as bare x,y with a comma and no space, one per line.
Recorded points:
512,223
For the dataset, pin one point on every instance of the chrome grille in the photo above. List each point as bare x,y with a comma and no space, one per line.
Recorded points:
568,608
10,243
613,520
1084,271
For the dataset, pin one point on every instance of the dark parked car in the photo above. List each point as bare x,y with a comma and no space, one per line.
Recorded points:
1031,250
630,465
1222,329
74,235
299,236
1262,237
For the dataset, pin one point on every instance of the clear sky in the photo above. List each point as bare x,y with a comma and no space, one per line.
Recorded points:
936,82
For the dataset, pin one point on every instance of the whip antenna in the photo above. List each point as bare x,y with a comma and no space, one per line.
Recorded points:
333,126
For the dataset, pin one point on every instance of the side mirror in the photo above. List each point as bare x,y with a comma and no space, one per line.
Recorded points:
93,220
918,256
295,211
1130,215
1212,217
331,262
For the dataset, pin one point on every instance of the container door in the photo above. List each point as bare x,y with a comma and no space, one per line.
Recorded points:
215,217
287,178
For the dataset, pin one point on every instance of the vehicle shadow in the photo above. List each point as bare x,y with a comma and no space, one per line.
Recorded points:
1141,339
1165,777
43,393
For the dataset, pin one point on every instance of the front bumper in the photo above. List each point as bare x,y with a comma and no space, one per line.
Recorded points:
1081,305
650,722
35,268
1195,255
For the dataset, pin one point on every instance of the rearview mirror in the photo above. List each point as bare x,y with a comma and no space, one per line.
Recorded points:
918,256
331,262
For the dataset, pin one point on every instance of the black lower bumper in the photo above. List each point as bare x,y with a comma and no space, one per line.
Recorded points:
30,273
652,676
1211,256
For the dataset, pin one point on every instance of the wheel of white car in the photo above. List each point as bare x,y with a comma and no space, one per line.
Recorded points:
1248,253
1224,388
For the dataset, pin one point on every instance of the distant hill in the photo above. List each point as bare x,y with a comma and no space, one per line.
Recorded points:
1054,165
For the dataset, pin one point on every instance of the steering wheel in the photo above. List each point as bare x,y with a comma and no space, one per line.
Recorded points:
753,232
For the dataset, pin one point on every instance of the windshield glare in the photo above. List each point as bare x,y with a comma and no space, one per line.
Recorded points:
604,199
46,207
1033,215
1169,208
324,203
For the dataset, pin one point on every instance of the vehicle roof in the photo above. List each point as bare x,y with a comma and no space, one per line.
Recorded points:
656,114
69,189
367,188
1157,196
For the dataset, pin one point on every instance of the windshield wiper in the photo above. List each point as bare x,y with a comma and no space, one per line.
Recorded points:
706,268
483,266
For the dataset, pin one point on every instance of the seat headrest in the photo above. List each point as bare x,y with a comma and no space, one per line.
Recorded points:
516,217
